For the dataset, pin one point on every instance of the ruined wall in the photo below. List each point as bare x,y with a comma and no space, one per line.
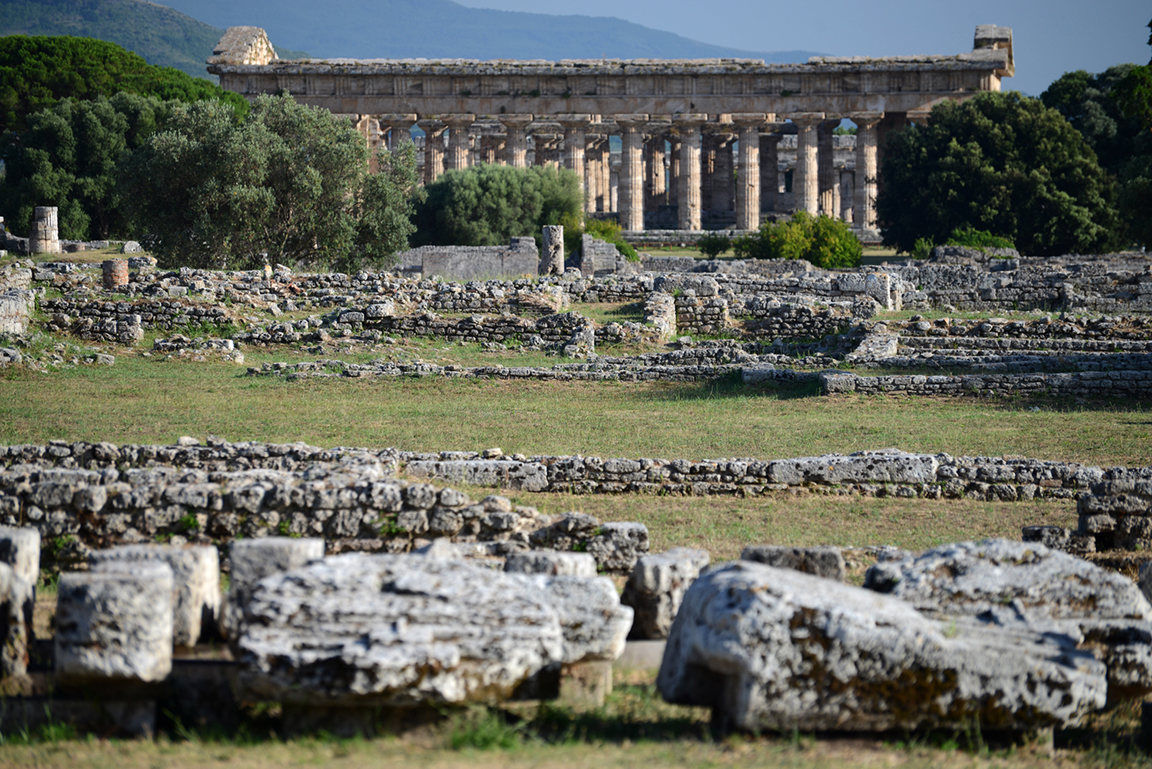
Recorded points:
1096,384
463,263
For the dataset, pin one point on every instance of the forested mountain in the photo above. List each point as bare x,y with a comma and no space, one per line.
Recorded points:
159,34
441,28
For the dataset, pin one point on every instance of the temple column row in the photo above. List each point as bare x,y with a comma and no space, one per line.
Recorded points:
699,170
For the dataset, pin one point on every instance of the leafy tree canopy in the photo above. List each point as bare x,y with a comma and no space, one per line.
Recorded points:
1000,162
487,204
37,72
67,158
289,184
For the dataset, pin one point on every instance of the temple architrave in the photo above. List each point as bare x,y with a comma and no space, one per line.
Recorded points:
728,141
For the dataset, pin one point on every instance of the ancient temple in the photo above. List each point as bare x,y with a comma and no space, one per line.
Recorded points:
699,138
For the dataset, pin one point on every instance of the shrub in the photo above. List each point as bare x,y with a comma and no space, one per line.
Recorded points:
712,244
825,242
971,237
609,230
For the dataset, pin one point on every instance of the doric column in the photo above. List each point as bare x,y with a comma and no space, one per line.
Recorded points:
594,173
864,196
655,182
846,189
724,177
516,146
770,167
688,194
459,144
399,128
748,170
631,195
805,180
492,148
575,139
826,164
433,148
673,181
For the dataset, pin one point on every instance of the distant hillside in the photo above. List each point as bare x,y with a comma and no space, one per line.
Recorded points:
441,28
161,35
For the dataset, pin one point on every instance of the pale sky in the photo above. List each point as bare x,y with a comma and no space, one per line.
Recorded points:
1050,37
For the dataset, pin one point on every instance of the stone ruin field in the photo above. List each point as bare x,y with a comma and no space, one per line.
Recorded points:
703,513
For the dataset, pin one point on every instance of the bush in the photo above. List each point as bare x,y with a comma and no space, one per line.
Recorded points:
825,242
289,184
609,230
486,205
712,244
973,238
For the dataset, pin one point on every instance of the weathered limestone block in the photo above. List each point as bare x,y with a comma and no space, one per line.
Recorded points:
196,577
826,562
1044,589
618,546
394,630
551,563
594,623
777,649
251,560
20,551
1060,538
888,466
656,587
14,626
115,622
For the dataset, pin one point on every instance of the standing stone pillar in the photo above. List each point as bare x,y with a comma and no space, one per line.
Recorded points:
115,273
45,235
433,148
399,128
553,261
689,192
748,171
864,196
632,172
492,148
826,165
770,167
805,180
673,180
655,176
575,141
369,127
724,176
459,143
593,159
846,189
517,143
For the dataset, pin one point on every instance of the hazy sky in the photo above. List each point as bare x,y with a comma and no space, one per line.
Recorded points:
1050,37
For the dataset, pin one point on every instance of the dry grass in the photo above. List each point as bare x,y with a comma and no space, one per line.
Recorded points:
148,400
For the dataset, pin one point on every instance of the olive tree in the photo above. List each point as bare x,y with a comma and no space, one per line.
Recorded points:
288,184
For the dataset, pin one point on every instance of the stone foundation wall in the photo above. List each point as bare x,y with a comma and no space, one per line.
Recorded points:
354,503
1120,384
111,320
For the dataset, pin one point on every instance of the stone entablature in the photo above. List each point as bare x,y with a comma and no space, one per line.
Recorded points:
611,86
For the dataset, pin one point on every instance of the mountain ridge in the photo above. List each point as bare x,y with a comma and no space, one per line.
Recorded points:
445,29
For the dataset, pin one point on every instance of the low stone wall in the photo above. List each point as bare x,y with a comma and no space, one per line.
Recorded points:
886,472
1126,384
95,320
599,256
354,503
463,263
876,473
1118,513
